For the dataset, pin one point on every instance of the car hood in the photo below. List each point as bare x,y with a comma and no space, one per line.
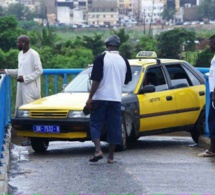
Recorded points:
74,101
59,101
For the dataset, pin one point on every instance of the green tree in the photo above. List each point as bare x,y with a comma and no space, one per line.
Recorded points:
11,58
9,32
204,58
168,13
2,11
170,43
94,43
46,55
20,11
206,9
122,35
2,59
40,11
29,25
79,59
126,50
146,43
44,37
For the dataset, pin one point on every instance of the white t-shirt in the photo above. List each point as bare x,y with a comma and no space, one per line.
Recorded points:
211,76
111,69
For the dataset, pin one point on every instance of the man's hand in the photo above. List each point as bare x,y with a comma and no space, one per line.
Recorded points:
2,71
20,79
89,103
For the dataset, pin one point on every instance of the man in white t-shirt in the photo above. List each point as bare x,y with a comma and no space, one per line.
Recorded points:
211,116
27,75
110,72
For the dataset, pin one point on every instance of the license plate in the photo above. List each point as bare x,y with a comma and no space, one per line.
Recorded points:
46,128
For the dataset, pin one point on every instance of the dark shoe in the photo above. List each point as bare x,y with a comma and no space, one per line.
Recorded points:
96,158
26,143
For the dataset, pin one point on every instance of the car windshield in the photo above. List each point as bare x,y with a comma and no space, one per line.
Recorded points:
82,82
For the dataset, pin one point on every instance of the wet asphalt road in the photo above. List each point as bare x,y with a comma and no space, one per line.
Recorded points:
155,164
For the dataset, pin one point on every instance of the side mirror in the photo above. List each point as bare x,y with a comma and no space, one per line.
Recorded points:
147,89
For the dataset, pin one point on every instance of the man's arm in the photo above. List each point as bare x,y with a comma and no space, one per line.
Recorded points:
96,77
95,86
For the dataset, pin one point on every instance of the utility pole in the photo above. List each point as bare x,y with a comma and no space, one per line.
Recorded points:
138,11
150,25
144,22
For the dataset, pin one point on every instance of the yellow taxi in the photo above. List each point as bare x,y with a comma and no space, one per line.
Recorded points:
165,95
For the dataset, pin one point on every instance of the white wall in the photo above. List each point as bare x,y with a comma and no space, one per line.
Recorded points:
148,9
63,14
78,16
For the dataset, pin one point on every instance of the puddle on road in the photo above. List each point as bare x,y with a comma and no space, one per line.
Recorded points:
20,153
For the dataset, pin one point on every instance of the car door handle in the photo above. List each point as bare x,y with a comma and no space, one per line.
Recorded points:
168,98
201,93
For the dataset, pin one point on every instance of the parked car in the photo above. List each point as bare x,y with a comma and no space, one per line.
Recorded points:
187,23
165,95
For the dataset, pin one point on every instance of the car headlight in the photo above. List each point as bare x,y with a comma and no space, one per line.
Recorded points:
77,114
23,113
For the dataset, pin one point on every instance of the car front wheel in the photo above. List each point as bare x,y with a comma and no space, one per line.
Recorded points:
39,144
123,145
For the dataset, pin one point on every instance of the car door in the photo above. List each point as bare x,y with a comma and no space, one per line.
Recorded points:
189,94
157,109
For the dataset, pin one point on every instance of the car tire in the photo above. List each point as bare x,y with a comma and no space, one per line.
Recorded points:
39,144
199,128
123,145
132,138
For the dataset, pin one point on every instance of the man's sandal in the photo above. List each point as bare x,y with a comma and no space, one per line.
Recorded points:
96,157
206,153
111,161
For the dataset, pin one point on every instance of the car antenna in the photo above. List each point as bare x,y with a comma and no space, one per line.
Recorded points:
158,61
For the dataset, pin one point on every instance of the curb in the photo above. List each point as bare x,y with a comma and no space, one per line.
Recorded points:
4,163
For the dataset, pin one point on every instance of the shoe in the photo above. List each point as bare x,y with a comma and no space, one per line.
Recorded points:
26,143
206,153
96,158
111,161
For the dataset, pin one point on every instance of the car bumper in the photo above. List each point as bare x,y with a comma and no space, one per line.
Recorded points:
69,128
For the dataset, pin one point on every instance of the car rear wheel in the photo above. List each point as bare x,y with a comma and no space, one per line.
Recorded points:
39,144
199,128
123,145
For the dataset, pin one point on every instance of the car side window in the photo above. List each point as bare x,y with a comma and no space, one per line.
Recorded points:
155,76
178,76
192,77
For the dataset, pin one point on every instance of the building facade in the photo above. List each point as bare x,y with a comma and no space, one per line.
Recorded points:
103,12
151,12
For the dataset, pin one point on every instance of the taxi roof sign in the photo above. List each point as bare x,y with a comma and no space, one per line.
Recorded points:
147,54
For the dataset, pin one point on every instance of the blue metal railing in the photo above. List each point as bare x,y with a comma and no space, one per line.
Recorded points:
58,72
205,71
63,74
5,108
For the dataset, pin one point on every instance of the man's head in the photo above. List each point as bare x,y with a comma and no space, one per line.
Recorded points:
23,43
212,43
112,42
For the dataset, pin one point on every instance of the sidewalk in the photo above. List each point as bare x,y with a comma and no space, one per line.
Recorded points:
5,163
